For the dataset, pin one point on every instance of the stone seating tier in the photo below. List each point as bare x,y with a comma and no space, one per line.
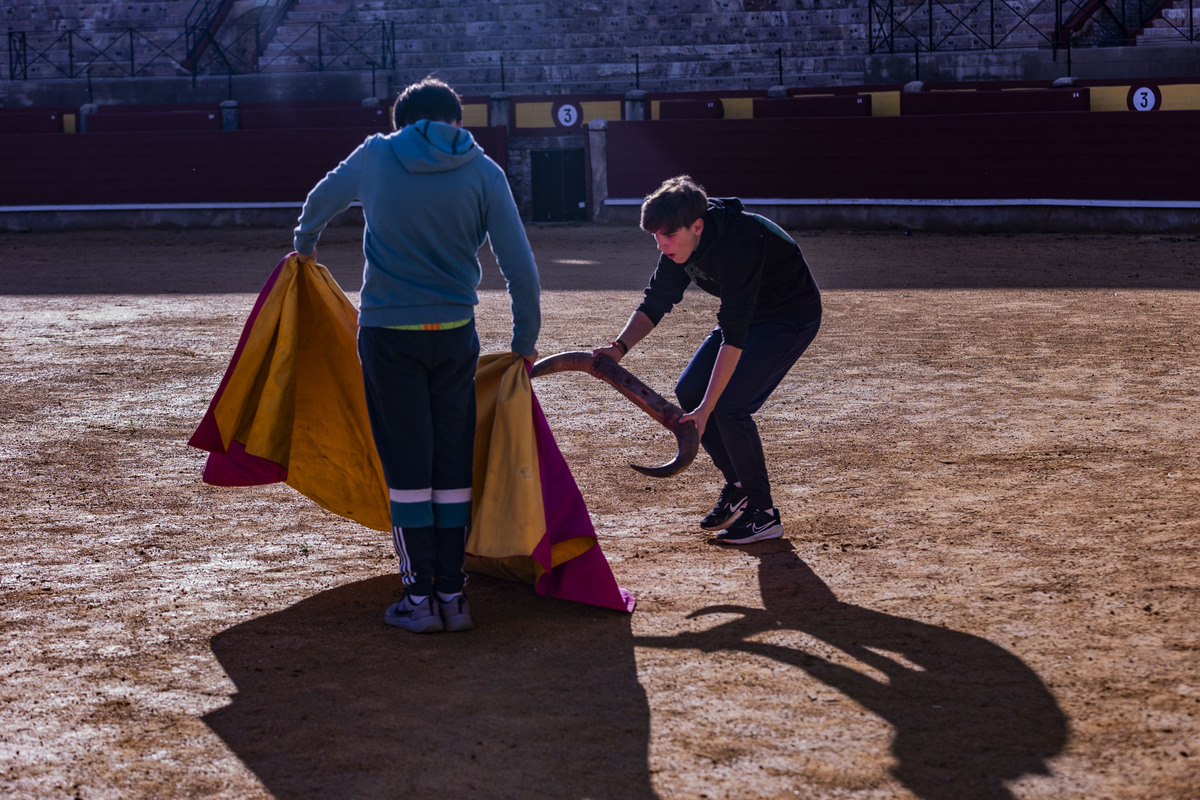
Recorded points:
549,46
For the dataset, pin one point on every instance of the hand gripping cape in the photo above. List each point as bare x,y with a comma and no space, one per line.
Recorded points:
291,408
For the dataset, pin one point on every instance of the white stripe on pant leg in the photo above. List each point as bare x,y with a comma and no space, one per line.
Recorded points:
407,576
406,496
447,496
466,538
410,495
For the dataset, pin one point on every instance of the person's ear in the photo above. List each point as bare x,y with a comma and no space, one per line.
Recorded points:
698,226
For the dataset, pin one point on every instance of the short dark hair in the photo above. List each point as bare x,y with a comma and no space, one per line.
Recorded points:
430,99
676,204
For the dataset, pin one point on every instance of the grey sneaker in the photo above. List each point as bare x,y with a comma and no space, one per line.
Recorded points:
419,617
455,614
755,525
727,510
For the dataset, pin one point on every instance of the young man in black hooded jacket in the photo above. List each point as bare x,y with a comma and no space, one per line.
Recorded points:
769,313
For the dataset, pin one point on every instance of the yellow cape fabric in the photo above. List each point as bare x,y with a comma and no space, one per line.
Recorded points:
507,517
508,522
295,396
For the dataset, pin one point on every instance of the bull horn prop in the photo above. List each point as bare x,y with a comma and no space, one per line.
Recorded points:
645,398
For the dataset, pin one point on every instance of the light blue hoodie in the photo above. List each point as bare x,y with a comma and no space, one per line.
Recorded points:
430,199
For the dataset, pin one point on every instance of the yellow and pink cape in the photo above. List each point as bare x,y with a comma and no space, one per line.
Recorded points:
291,408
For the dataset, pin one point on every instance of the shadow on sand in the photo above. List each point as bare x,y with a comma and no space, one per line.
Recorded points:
541,700
968,715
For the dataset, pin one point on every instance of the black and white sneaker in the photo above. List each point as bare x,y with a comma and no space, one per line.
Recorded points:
755,525
419,617
455,613
727,510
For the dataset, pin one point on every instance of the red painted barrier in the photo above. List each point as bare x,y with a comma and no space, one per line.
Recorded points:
846,105
186,166
992,101
1099,155
273,116
691,109
153,121
34,120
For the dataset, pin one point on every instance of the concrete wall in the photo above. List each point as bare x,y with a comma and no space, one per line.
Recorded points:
290,87
1157,61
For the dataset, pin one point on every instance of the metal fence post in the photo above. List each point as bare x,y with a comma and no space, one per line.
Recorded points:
870,28
891,26
387,43
930,25
18,58
1057,30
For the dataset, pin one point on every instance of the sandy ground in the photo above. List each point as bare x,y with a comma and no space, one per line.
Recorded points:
986,464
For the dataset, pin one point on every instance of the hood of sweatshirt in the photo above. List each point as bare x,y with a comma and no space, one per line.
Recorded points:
721,212
427,146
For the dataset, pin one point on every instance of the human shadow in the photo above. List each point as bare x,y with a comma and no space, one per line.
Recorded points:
540,700
968,715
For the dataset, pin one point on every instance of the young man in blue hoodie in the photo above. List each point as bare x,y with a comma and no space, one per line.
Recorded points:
430,198
770,312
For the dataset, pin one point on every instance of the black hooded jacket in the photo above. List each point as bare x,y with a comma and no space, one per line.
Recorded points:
746,260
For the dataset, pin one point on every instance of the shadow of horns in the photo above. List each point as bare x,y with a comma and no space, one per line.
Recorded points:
968,715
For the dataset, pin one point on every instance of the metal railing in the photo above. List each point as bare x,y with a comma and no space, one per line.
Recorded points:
934,26
1121,22
70,54
338,47
233,50
937,26
265,44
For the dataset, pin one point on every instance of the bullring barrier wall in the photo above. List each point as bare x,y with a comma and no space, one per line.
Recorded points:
1021,155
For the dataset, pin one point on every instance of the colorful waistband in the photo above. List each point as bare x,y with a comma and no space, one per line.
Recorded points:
431,326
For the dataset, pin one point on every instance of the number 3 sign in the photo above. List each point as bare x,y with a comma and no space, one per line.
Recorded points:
1144,98
567,115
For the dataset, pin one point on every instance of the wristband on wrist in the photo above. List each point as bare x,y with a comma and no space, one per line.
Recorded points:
617,343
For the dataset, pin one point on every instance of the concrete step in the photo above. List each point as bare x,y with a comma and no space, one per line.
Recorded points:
1173,24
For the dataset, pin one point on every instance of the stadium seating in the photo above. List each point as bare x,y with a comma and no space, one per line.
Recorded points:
676,45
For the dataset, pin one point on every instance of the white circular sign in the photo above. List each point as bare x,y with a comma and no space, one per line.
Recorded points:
1144,98
567,115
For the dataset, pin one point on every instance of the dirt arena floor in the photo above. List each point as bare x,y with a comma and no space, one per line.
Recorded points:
987,465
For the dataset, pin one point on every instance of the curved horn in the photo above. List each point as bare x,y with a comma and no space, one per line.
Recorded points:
645,398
